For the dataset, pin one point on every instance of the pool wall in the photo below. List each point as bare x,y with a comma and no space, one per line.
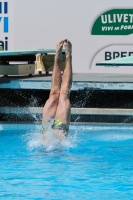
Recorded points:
22,99
73,126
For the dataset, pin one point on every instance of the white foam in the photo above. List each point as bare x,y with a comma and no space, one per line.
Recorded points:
35,141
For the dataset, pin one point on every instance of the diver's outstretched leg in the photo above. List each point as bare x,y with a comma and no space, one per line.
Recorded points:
64,110
67,76
51,104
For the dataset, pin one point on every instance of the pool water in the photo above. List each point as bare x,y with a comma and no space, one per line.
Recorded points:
90,164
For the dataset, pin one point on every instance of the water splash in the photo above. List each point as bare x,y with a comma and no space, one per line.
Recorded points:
36,142
33,101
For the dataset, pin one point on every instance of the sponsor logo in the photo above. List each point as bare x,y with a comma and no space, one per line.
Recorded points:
113,52
4,24
116,54
114,22
4,44
4,17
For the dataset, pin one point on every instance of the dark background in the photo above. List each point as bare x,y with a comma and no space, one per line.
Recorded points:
80,99
84,99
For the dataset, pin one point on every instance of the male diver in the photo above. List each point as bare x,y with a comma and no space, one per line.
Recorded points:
58,104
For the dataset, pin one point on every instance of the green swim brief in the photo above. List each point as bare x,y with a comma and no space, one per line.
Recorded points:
57,125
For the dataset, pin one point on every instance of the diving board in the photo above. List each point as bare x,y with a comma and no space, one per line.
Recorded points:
36,59
26,52
125,61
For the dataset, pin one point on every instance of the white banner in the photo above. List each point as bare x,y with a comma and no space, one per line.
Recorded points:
7,24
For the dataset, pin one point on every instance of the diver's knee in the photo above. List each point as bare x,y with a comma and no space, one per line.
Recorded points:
64,93
53,99
55,91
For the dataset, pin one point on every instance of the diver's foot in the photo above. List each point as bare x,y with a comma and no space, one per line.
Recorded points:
58,55
68,47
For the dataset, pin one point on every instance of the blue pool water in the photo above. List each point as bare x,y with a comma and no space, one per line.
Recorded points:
91,164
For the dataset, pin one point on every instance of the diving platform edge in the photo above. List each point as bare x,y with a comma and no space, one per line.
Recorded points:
102,81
